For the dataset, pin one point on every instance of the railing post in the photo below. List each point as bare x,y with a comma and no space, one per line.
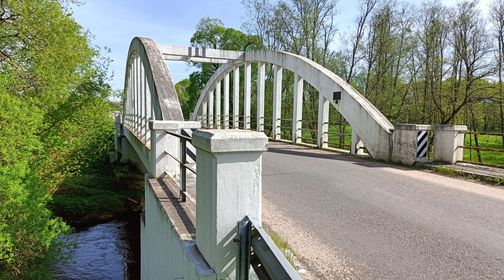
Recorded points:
247,95
226,101
447,139
236,97
228,188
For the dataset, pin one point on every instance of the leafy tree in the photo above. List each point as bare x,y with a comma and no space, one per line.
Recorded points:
54,121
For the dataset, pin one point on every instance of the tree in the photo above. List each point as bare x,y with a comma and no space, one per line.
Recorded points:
54,120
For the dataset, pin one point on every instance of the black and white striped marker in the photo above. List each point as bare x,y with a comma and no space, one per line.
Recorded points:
422,144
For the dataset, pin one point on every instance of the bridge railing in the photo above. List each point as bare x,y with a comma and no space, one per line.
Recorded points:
184,164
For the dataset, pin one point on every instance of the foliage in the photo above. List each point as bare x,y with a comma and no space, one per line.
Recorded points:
54,121
211,33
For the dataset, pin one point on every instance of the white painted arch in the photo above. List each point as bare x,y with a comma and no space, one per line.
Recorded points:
370,125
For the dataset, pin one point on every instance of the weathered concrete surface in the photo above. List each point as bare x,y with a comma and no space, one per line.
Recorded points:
446,142
350,218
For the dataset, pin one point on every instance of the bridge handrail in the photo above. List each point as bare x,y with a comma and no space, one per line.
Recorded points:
183,164
266,258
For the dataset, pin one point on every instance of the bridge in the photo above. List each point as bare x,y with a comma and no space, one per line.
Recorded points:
212,181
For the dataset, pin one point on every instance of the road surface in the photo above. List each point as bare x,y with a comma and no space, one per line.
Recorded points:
350,218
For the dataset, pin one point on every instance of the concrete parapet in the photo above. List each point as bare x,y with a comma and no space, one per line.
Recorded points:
228,187
447,140
406,142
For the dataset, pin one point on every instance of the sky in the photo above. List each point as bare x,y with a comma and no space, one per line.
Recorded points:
114,23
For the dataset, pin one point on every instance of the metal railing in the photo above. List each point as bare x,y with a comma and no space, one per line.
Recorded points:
259,251
183,163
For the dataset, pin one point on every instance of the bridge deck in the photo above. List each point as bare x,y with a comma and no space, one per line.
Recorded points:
350,218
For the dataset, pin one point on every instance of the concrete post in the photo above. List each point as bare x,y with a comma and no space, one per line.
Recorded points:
323,122
277,102
226,101
204,114
447,139
228,188
211,109
297,110
357,145
236,97
118,135
160,163
247,95
260,95
405,142
218,105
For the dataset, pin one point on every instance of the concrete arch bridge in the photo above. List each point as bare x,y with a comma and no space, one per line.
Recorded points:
203,187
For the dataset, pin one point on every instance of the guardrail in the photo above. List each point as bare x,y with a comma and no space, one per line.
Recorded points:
259,251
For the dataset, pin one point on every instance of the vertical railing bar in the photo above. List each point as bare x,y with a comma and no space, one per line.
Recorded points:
183,169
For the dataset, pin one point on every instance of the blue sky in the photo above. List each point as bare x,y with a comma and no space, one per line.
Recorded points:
115,22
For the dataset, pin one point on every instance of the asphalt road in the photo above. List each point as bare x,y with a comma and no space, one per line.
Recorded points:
349,218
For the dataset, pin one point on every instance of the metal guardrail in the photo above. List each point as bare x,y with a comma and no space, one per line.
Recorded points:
259,251
183,163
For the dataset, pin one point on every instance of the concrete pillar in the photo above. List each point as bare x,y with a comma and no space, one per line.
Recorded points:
204,113
261,70
447,139
297,115
211,109
118,135
228,188
357,145
323,122
162,144
218,105
247,95
277,102
405,142
226,101
236,97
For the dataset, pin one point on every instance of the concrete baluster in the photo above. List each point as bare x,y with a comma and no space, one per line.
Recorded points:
297,112
323,122
236,98
277,102
260,95
226,101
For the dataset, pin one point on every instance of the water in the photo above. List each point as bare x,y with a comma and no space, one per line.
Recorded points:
104,251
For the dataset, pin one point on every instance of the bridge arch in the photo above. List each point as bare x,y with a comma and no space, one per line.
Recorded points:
367,122
149,95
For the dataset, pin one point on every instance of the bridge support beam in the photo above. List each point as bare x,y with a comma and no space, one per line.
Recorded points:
247,96
218,105
277,102
211,109
323,122
228,188
163,144
236,98
297,115
261,71
226,101
204,113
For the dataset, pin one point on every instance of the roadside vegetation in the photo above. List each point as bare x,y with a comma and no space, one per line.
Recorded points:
54,125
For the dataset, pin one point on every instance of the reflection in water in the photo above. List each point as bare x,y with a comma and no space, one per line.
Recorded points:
104,251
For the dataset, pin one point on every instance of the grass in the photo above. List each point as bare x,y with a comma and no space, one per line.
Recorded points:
99,193
282,245
485,141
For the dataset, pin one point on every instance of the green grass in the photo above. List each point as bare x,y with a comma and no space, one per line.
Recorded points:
282,245
98,193
485,141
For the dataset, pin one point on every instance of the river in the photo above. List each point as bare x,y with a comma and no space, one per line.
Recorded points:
109,250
